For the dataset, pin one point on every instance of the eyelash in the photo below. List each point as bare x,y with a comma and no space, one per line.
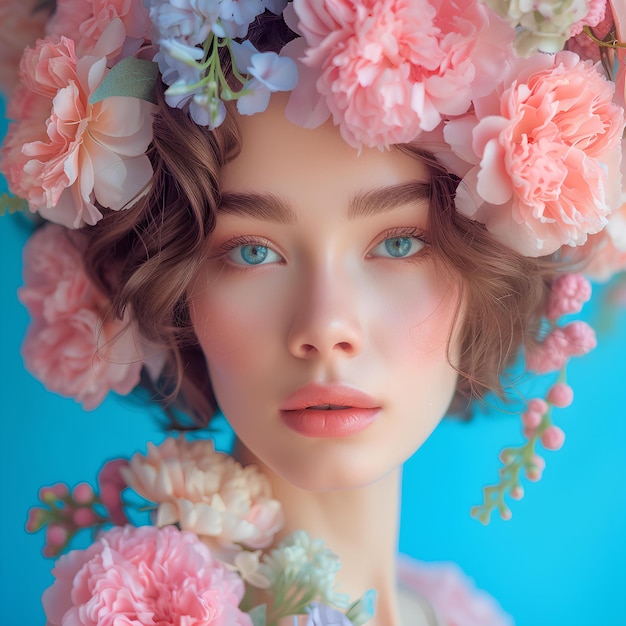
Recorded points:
243,240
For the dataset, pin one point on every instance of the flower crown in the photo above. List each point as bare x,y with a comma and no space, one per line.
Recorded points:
533,131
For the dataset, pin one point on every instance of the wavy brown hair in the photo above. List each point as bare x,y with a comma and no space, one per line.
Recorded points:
146,256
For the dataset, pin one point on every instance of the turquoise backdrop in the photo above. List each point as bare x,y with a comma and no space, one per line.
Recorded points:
558,562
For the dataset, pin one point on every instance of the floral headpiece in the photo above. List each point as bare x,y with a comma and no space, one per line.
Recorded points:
533,131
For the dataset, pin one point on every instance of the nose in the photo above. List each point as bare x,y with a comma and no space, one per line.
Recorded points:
327,318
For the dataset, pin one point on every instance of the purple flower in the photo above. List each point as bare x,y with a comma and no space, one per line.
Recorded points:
324,615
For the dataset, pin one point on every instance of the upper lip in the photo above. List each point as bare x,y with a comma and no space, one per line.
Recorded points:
315,394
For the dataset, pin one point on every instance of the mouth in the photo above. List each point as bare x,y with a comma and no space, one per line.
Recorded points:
329,411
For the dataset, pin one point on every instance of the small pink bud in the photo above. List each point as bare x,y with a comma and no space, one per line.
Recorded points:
36,519
505,457
505,514
535,468
84,517
533,474
56,535
528,432
561,395
531,419
83,493
552,438
538,461
538,405
581,338
53,493
517,492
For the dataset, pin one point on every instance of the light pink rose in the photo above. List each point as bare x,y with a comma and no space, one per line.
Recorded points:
102,27
451,593
70,346
59,140
20,26
207,492
546,154
387,70
144,576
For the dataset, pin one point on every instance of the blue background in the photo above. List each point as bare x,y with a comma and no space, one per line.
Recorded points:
558,562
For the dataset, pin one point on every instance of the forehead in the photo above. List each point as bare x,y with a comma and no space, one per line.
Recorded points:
280,158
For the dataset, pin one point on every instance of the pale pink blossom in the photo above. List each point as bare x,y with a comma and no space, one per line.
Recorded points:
451,593
144,576
388,70
21,24
568,293
575,339
72,346
207,492
66,156
552,438
597,11
544,155
561,395
103,27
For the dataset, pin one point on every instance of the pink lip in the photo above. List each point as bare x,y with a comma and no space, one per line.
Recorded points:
360,411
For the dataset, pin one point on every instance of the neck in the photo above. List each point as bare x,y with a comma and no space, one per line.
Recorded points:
359,525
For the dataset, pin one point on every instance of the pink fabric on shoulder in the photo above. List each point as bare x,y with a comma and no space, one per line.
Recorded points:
451,593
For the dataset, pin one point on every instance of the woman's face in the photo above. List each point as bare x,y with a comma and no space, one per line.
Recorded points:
323,319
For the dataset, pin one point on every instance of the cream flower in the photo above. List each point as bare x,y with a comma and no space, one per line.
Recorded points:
207,492
65,155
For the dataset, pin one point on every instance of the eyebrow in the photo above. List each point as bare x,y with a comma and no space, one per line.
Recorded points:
272,208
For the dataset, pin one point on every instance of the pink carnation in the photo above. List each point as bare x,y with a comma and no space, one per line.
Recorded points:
597,10
70,346
112,27
546,155
568,294
20,26
144,576
59,140
207,492
388,70
451,593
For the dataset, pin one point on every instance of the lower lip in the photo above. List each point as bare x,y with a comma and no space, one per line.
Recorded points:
329,423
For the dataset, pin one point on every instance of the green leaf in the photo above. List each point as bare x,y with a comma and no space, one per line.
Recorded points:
258,615
134,78
11,204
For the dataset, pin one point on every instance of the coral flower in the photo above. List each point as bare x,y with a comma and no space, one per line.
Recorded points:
71,346
65,155
144,576
207,492
546,155
389,70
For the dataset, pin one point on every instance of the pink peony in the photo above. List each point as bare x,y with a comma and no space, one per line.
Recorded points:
62,153
207,492
144,576
546,155
21,24
388,70
451,593
110,27
70,346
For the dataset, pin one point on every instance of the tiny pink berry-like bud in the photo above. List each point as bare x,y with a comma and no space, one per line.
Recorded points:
528,432
84,517
535,468
505,457
83,493
568,294
552,438
581,338
517,493
538,405
56,535
505,514
53,493
36,519
561,395
531,419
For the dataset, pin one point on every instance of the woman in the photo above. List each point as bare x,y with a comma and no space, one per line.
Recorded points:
322,422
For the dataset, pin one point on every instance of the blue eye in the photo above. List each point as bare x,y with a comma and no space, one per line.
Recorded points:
253,254
398,247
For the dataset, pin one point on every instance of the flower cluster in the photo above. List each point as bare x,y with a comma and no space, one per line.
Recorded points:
206,492
568,294
193,36
165,574
547,25
73,345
